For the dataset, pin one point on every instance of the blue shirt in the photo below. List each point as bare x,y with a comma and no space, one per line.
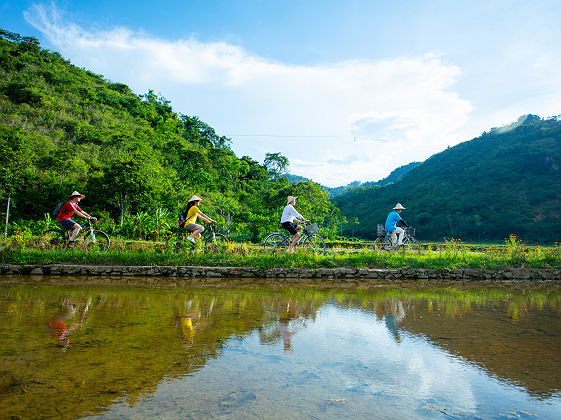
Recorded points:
391,221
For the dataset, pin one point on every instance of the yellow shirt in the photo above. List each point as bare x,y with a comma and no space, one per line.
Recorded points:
192,215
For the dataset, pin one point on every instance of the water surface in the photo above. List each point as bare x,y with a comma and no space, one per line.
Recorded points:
140,352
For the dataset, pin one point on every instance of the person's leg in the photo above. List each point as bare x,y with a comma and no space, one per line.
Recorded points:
75,231
295,237
71,225
400,233
393,236
192,229
195,230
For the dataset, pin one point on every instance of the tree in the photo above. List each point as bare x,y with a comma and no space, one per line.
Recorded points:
63,128
276,164
15,159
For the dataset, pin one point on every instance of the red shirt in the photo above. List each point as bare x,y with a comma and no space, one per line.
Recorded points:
67,210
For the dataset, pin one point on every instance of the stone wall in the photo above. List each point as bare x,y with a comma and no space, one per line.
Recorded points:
334,277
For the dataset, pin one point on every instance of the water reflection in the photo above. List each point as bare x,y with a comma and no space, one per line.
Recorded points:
394,314
71,317
77,351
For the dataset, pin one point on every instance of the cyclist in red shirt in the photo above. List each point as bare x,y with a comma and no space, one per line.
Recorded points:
67,211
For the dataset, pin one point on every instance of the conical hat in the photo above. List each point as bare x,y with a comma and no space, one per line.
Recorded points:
195,198
76,193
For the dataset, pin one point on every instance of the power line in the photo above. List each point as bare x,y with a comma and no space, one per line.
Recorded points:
355,138
370,138
278,135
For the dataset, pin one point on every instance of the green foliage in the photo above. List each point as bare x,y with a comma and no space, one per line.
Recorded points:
506,181
137,161
21,248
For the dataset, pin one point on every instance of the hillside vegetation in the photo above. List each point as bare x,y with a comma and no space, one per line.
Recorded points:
394,176
506,181
63,128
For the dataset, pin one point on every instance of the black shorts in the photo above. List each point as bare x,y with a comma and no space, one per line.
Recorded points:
67,223
291,227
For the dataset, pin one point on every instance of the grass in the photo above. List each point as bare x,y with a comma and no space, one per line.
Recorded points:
449,255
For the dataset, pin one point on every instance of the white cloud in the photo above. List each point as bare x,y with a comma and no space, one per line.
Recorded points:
406,101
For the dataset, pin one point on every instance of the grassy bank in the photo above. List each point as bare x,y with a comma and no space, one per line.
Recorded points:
449,256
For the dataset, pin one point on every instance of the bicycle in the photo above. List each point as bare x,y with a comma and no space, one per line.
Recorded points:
88,238
309,239
384,240
213,241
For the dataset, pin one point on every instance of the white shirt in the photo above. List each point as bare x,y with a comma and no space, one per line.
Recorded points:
289,214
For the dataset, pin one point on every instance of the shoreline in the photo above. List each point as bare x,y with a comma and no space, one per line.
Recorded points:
332,277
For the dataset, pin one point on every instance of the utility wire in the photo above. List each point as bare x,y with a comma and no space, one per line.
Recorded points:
276,135
355,138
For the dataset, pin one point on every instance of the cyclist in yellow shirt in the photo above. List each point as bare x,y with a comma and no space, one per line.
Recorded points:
191,213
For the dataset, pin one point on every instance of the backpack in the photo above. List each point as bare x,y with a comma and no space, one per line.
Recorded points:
57,209
181,220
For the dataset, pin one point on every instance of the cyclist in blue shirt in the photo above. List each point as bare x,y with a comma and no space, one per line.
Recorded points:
391,224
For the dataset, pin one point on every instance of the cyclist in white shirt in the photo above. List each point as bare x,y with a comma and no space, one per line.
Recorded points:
289,215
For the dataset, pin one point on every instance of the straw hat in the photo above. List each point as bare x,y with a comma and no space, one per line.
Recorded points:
398,206
76,193
195,198
290,198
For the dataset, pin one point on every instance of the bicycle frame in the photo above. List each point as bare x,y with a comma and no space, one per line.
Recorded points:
89,225
288,239
307,238
209,237
84,227
388,243
204,233
87,237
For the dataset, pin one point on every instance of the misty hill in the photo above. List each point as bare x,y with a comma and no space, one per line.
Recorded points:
394,176
506,181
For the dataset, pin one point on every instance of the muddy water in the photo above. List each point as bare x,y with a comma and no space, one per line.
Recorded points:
75,350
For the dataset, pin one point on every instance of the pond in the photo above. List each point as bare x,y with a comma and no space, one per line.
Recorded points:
73,350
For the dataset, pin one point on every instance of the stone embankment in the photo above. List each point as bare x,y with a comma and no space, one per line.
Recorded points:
338,277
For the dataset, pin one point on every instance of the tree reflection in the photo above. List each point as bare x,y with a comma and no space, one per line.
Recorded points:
121,343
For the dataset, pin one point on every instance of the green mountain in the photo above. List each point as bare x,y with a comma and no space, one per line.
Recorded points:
296,178
63,128
506,181
394,176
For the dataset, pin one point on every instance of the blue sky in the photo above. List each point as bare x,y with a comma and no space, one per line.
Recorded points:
346,90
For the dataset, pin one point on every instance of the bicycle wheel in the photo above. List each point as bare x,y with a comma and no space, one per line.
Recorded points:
412,244
96,241
377,242
52,238
314,243
216,244
275,241
384,243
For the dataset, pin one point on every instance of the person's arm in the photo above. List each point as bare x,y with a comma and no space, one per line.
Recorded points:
86,215
205,217
298,216
404,223
82,213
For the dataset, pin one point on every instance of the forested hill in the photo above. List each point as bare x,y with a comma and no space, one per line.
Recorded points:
394,176
507,181
63,128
